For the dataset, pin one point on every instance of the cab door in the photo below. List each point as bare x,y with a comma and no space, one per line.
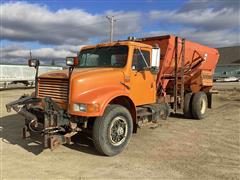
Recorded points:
143,86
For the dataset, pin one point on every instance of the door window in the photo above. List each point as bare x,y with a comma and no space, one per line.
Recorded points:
138,61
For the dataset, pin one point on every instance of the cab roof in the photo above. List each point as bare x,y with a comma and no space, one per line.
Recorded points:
118,43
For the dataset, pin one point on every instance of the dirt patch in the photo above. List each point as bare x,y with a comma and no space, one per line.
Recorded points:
175,149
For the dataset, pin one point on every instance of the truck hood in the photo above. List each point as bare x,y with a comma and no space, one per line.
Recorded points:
90,85
86,80
82,73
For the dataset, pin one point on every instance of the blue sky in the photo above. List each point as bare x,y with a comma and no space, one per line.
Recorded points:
55,29
98,6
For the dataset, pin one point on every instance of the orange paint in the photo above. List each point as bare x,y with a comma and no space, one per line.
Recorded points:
96,87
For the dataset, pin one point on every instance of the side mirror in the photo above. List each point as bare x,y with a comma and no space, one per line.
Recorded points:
155,60
33,63
72,61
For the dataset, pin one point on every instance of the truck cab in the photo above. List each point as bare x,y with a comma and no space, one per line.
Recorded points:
103,73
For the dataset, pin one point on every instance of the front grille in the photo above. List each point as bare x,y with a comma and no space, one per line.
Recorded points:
57,89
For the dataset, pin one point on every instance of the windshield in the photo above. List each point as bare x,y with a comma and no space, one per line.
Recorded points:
110,56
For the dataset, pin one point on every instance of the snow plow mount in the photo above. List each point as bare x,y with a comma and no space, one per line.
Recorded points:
51,121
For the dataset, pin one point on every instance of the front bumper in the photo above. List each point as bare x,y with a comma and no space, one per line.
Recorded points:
49,120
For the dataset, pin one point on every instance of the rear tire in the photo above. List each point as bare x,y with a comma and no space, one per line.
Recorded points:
199,105
113,130
187,109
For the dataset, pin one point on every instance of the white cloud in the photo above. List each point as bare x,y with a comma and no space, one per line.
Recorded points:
214,23
23,21
203,19
41,53
16,53
63,29
216,38
211,22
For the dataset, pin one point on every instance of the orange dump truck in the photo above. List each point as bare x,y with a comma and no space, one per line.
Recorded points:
111,89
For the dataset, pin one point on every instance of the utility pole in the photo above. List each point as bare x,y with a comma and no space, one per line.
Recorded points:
111,20
30,54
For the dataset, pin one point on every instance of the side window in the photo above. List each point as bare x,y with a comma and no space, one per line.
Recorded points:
138,61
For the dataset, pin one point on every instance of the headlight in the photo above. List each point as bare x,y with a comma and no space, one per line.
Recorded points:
86,107
80,107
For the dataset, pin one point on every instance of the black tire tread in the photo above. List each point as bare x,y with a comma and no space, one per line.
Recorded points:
196,107
187,110
99,123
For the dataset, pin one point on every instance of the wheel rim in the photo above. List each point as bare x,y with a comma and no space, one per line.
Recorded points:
203,106
118,130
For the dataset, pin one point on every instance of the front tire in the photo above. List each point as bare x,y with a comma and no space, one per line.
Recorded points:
199,105
112,131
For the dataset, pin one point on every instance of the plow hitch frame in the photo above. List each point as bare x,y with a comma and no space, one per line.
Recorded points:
49,120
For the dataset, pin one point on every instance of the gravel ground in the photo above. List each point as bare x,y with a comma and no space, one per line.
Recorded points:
177,148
